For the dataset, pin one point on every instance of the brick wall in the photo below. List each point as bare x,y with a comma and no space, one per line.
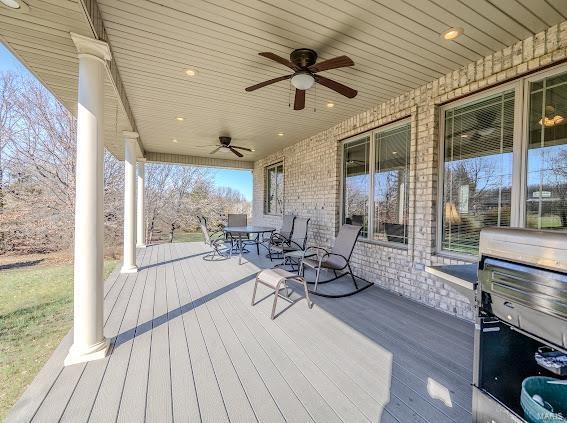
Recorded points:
312,171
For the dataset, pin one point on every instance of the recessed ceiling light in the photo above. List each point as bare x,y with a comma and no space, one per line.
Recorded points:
452,33
174,140
12,4
464,136
252,149
280,134
191,72
394,152
330,104
179,118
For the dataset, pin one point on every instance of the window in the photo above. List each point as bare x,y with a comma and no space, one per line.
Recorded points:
391,193
356,183
477,170
546,196
375,183
496,175
274,189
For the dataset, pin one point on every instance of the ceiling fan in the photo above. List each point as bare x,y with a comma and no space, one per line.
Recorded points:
303,62
224,142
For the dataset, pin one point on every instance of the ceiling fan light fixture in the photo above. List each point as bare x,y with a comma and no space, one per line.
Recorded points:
302,80
12,4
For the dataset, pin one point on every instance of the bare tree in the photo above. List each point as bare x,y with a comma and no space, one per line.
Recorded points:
39,173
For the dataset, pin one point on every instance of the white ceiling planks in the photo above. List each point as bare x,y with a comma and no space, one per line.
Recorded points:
395,44
41,40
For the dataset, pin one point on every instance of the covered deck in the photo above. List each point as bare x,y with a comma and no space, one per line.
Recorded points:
187,346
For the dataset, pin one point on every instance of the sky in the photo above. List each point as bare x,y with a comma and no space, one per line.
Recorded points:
240,180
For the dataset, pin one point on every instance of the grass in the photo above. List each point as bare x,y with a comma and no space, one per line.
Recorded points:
36,310
185,237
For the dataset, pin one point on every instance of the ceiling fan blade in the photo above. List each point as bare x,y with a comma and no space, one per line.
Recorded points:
279,59
337,62
235,152
271,81
215,150
299,103
241,148
336,86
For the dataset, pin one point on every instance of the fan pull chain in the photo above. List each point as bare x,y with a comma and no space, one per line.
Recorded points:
289,96
315,104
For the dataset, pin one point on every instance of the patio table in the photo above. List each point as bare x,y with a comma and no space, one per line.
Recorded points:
239,231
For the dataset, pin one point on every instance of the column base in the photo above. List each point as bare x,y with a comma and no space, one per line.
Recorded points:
141,245
129,269
96,352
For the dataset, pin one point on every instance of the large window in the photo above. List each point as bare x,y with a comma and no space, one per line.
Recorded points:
375,183
546,196
477,170
274,189
494,173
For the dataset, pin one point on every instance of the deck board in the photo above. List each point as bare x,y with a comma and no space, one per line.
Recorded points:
189,347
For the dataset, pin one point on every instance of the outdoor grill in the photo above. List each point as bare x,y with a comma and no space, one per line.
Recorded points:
521,326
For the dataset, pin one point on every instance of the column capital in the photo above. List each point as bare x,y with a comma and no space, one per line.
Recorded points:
130,135
91,46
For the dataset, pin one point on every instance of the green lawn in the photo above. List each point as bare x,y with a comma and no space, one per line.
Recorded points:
36,307
187,237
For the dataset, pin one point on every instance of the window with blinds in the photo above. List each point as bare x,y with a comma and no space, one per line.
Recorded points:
376,183
546,196
391,193
477,170
274,189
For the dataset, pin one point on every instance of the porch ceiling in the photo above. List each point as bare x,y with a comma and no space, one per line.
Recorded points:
40,39
395,45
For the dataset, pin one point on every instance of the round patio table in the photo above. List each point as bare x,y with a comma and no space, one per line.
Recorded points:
236,232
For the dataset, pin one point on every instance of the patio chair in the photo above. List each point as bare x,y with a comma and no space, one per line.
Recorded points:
236,220
337,260
214,240
293,248
281,236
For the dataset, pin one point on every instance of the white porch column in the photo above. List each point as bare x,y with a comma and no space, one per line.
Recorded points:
129,260
140,224
89,342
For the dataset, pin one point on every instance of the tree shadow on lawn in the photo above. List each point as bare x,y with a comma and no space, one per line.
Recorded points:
20,264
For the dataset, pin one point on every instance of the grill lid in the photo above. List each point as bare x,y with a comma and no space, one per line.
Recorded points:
543,249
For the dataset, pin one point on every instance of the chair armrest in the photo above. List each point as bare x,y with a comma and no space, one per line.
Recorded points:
219,234
328,254
317,249
277,238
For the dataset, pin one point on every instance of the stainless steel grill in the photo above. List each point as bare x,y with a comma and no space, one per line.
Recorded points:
521,301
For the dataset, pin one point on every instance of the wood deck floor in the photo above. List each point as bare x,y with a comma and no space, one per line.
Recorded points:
187,346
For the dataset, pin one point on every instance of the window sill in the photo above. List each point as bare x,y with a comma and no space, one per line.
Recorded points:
392,245
456,256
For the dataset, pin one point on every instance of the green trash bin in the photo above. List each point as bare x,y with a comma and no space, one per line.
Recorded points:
554,395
